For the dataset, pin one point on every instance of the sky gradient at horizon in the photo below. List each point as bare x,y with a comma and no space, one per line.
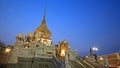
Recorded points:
83,23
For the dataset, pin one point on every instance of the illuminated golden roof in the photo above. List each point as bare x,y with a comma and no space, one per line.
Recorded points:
43,29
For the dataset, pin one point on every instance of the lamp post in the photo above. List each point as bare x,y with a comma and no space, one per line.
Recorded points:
95,49
7,52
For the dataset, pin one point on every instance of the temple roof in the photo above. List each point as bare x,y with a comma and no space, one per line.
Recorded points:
43,28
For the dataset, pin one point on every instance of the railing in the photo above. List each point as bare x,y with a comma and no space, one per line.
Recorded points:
88,64
84,62
71,64
81,64
56,62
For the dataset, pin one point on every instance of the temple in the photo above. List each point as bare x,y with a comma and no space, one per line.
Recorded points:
37,51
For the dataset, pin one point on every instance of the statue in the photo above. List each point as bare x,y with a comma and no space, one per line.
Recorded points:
62,49
65,45
26,45
20,38
29,37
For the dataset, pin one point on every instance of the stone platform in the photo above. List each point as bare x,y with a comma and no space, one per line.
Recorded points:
32,63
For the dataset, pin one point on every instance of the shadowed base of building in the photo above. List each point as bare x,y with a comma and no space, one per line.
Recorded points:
32,63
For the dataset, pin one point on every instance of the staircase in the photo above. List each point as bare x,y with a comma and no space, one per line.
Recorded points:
84,62
56,63
75,64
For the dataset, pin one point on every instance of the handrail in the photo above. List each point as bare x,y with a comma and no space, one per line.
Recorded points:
88,64
81,64
71,64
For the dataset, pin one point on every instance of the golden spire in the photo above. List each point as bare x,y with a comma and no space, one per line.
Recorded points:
44,17
45,33
44,13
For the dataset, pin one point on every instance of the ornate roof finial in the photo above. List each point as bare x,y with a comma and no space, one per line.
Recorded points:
44,17
43,28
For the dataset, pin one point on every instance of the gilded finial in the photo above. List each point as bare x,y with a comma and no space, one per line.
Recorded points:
45,33
44,17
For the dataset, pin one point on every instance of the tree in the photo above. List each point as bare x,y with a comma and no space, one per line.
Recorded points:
2,44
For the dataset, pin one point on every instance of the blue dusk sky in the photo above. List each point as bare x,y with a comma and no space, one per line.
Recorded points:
83,23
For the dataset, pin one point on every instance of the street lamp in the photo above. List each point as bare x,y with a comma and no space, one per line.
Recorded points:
7,50
7,53
95,48
101,58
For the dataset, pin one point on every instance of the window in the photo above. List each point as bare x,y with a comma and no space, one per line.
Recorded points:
37,45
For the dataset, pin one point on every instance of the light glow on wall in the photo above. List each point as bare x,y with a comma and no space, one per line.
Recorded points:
62,52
